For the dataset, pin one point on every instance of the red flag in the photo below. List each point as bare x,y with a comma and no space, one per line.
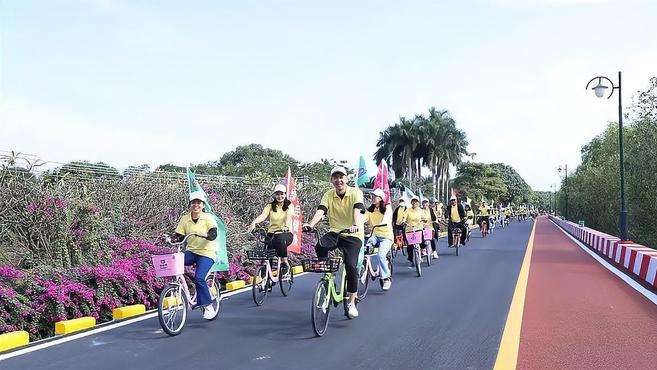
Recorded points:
381,181
297,218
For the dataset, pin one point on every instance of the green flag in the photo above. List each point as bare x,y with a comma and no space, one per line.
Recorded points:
363,178
221,263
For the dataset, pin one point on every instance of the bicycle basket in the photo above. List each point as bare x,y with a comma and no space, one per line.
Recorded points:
169,264
317,265
260,254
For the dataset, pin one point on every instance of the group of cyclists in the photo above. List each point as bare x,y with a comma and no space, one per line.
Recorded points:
344,205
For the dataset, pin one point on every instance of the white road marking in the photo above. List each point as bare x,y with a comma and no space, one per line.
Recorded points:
45,343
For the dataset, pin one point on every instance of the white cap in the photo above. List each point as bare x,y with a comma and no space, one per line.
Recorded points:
453,197
280,187
197,195
338,169
415,197
379,193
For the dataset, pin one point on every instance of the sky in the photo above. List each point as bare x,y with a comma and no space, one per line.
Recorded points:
132,82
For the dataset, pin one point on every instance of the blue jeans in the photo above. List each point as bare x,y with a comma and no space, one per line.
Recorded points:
384,247
203,265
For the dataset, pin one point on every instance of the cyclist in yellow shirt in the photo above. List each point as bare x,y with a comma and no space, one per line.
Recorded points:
413,219
279,212
201,251
345,209
382,236
455,215
484,215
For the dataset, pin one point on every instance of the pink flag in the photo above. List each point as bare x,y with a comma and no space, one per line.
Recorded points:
381,181
297,218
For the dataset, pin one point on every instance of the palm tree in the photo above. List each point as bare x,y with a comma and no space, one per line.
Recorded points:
396,145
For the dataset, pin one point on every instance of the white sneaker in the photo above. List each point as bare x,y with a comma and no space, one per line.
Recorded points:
352,311
386,284
434,254
209,312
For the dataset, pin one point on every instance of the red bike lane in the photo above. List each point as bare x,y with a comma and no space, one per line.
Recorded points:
579,315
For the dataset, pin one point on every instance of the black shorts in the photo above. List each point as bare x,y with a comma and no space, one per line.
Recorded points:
280,242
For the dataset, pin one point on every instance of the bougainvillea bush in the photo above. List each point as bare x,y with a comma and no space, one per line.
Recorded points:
80,247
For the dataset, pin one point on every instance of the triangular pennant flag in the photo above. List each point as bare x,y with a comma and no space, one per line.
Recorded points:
381,181
362,177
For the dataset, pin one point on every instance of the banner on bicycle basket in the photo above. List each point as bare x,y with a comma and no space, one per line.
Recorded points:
297,218
221,263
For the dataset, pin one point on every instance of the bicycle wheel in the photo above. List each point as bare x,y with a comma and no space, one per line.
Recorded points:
172,309
259,289
215,293
320,307
363,280
287,282
417,260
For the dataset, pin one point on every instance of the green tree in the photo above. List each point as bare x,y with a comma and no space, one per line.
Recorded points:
87,170
518,191
248,160
479,180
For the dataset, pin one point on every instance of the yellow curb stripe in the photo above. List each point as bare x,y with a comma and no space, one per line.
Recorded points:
70,326
233,285
13,339
507,356
128,311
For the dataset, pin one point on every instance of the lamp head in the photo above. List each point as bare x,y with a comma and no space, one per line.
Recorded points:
600,89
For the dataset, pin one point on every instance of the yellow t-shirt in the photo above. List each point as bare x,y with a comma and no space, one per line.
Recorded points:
454,214
427,218
195,244
278,219
378,218
470,214
413,218
483,211
341,210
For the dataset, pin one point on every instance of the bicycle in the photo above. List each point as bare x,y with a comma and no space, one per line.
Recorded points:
176,298
456,238
416,238
484,228
366,272
326,294
265,278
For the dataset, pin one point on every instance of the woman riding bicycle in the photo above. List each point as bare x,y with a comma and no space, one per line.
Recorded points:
380,214
484,215
414,219
430,218
279,212
201,251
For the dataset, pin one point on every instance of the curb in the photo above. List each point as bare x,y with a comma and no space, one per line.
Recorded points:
70,326
13,339
128,311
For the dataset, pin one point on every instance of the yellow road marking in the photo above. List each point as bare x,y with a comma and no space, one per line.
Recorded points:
507,356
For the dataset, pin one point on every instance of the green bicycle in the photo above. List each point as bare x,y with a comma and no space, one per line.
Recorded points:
326,293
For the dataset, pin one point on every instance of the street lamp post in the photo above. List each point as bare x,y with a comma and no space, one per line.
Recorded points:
600,91
564,169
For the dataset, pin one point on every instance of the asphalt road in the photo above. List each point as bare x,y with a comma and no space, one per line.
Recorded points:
450,318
